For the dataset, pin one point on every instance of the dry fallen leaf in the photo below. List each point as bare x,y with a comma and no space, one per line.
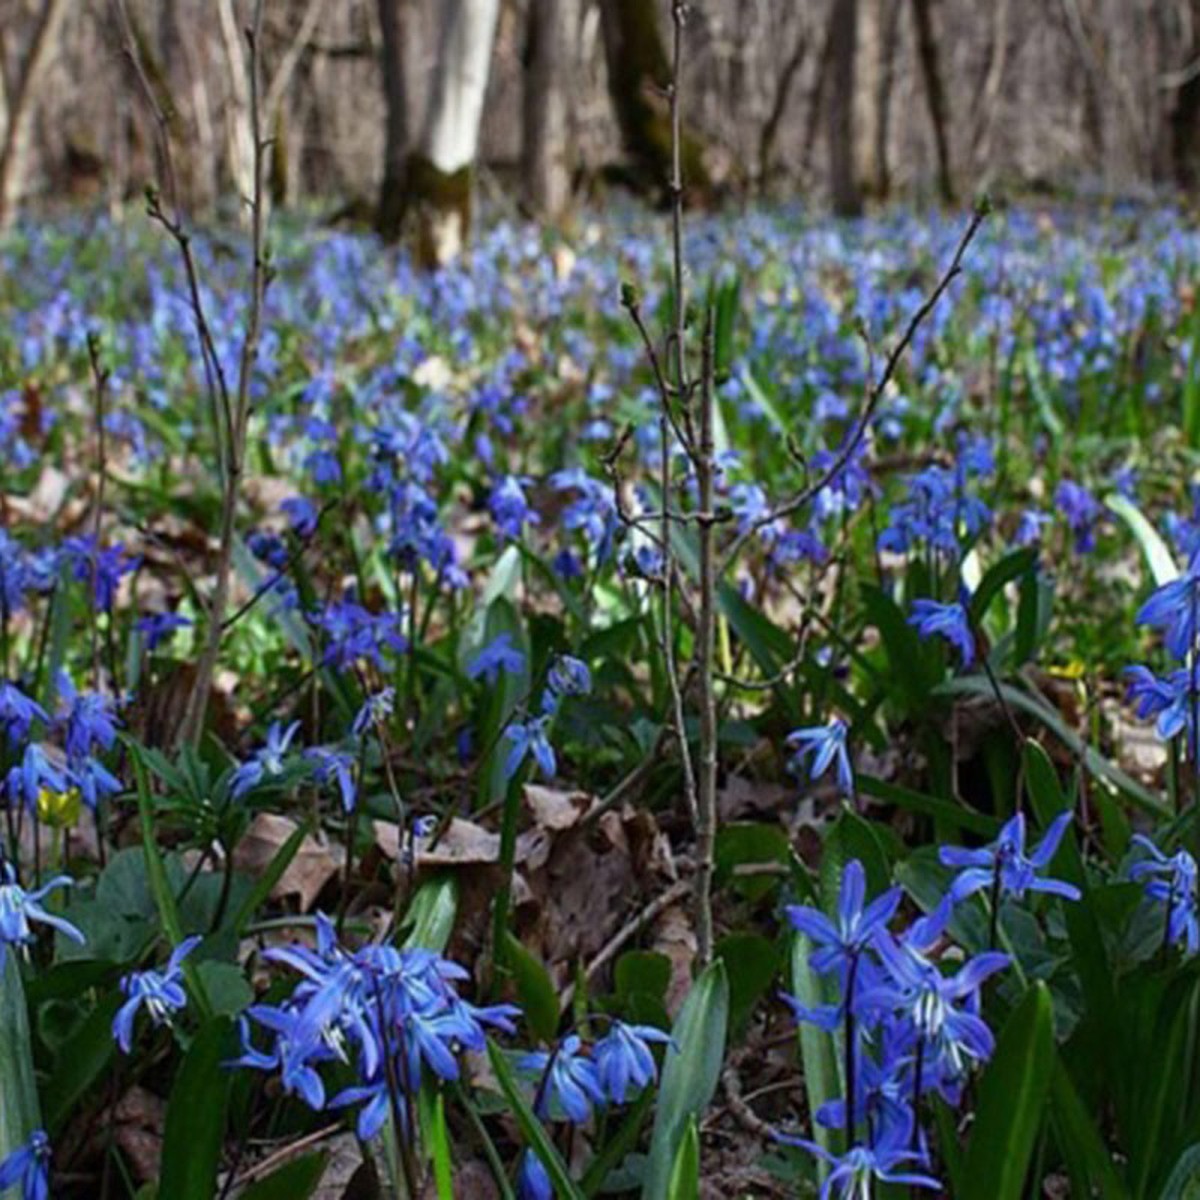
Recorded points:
552,808
315,863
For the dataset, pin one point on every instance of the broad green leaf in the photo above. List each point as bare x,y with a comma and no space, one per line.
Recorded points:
1011,566
751,962
1097,764
19,1113
817,1055
81,1062
685,1173
913,674
296,1180
1158,555
945,811
539,1000
195,1125
764,403
429,921
1184,1181
690,1074
1083,1147
531,1128
431,1105
1012,1100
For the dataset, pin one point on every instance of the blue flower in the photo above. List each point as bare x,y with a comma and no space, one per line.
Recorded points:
853,1175
18,712
498,657
827,745
87,719
568,1077
1082,511
1173,608
157,627
947,620
159,992
857,926
335,766
1006,862
34,774
509,507
1173,881
532,1181
267,762
302,516
622,1057
29,1167
18,907
525,737
569,677
374,710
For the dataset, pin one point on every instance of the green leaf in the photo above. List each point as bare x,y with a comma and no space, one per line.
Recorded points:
690,1073
296,1180
1184,1182
429,921
764,403
160,887
539,1000
531,1128
1011,566
619,1144
81,1062
685,1173
264,884
751,962
195,1125
1158,556
19,1114
945,811
1012,1100
821,1078
436,1138
913,674
1097,764
1082,1144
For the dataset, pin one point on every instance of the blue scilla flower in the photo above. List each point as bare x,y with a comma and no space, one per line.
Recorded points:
569,676
945,620
884,1086
857,925
303,516
87,719
510,507
19,907
854,1174
102,567
96,783
160,993
156,628
826,744
568,1077
34,774
267,762
1169,700
1171,879
498,657
1082,511
1029,529
623,1058
1006,866
28,1167
942,1010
1173,608
533,1183
290,1054
530,737
353,633
374,710
18,712
336,767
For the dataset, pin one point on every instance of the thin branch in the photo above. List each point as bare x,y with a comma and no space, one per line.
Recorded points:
875,393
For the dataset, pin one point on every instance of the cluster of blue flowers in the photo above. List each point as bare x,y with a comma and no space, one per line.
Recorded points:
567,676
912,1027
393,1015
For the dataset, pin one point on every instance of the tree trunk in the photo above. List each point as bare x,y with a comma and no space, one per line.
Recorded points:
1185,114
638,74
389,216
440,174
21,101
845,194
935,94
546,136
885,78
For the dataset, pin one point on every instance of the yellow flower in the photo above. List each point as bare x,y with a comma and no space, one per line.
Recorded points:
60,810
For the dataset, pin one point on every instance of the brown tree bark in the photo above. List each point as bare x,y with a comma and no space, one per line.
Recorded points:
21,102
845,193
1185,113
638,75
929,56
885,79
389,215
546,136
